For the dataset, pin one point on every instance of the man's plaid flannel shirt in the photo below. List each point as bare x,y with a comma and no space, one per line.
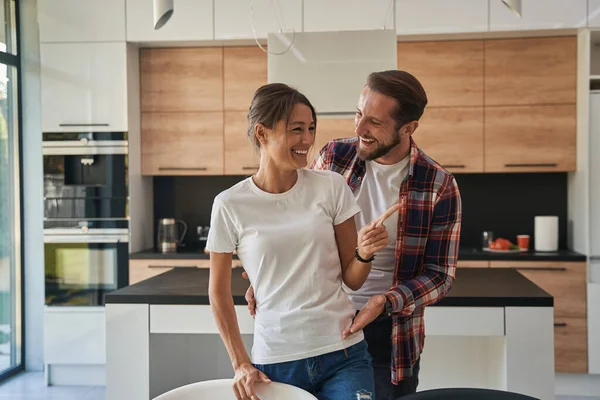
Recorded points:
426,245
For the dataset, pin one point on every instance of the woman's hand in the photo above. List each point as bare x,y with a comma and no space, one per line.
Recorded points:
243,382
374,236
372,239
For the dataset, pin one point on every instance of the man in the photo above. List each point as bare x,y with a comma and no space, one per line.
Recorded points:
384,166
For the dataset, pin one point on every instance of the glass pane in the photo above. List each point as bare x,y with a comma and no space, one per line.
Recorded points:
10,257
8,39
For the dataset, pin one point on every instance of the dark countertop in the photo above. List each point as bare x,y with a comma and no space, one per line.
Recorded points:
471,253
465,253
473,287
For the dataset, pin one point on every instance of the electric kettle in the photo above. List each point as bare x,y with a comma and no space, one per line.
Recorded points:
168,234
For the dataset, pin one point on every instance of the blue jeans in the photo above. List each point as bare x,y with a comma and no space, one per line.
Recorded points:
340,375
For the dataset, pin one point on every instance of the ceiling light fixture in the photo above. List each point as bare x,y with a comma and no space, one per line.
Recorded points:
514,6
163,9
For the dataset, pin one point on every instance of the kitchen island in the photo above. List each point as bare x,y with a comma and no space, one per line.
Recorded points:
494,329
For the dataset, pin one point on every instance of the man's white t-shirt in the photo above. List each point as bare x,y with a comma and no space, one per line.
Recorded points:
379,191
286,243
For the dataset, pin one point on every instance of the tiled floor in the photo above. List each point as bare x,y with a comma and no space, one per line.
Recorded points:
31,386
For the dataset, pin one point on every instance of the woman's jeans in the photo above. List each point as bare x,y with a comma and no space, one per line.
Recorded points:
340,375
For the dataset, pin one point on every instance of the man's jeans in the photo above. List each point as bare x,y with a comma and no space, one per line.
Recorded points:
339,375
378,335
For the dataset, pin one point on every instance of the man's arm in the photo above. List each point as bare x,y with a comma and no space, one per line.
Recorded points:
440,258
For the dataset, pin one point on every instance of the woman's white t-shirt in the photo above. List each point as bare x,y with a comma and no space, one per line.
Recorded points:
286,243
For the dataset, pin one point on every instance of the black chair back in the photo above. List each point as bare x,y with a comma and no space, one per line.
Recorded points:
466,394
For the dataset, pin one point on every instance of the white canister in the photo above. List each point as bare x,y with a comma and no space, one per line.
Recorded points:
546,233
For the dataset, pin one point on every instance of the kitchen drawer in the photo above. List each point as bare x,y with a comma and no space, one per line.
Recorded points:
140,270
570,345
565,281
473,264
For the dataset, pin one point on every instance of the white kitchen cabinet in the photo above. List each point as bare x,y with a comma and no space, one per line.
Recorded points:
84,87
347,15
595,174
593,301
191,20
441,16
232,18
594,13
81,20
539,14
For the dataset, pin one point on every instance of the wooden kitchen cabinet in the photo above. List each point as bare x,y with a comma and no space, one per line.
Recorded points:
530,71
329,129
244,71
181,79
142,269
570,345
241,157
566,282
455,81
188,143
453,137
473,264
530,138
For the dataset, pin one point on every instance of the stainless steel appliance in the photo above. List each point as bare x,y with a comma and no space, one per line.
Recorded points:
81,267
168,235
86,223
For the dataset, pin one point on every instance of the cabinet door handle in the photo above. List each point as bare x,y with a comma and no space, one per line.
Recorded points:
551,269
249,168
560,324
158,266
102,124
182,168
540,165
453,166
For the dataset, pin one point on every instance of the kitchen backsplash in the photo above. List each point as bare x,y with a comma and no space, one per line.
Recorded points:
503,203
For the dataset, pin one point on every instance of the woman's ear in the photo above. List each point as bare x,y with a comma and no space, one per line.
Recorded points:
260,132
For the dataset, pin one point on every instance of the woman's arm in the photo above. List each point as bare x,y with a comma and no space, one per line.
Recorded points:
221,301
370,240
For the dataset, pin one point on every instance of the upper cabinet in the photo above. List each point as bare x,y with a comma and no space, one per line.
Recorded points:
594,13
457,81
329,129
530,138
81,20
244,71
182,79
347,15
441,16
531,71
453,136
191,20
83,87
539,14
233,18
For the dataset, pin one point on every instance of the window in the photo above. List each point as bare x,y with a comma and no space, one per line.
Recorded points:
11,298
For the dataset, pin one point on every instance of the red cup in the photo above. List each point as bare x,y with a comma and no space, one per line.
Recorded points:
523,242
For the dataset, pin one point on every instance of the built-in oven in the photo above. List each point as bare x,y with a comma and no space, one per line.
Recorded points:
81,267
86,218
85,180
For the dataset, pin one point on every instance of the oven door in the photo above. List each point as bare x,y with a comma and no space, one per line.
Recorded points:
85,183
81,268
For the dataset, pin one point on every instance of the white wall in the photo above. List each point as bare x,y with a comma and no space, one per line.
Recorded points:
33,210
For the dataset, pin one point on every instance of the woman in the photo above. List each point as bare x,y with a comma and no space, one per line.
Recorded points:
293,229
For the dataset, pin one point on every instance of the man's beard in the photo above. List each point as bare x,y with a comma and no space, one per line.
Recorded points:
380,150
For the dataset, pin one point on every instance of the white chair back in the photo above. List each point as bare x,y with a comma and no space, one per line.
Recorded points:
221,389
